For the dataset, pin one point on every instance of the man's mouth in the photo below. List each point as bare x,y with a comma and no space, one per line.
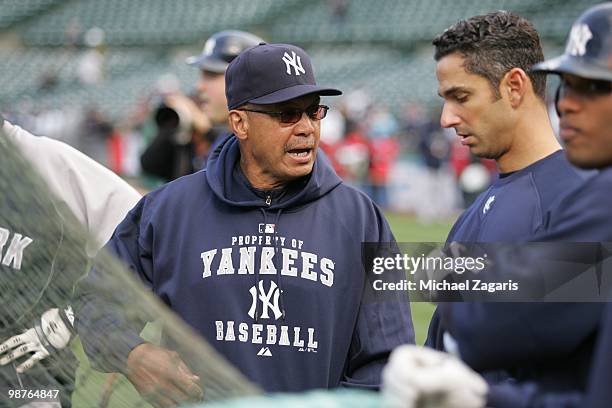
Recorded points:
568,132
300,152
202,101
466,139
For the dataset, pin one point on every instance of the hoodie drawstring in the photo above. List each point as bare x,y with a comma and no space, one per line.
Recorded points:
275,261
279,280
265,219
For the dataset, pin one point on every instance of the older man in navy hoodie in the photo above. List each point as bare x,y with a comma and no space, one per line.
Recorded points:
261,253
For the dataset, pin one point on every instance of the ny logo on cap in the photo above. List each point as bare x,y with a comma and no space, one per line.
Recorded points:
579,37
293,61
209,46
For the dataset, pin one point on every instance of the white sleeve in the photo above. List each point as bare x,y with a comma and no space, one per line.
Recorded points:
98,197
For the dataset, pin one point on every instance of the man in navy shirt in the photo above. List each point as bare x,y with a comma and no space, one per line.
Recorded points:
496,105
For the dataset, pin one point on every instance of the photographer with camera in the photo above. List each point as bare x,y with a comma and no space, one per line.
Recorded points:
189,126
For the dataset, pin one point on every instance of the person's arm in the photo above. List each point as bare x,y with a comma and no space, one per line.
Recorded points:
526,330
102,303
161,376
97,197
530,330
529,395
420,376
599,392
384,322
99,200
109,325
435,332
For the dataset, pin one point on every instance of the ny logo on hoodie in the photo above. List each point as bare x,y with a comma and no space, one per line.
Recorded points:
268,300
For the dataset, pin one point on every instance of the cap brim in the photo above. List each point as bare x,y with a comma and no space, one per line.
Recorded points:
573,65
207,63
284,95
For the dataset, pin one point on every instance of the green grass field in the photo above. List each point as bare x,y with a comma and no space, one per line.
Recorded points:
407,229
90,383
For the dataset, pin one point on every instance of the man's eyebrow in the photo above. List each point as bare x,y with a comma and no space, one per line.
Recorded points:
452,90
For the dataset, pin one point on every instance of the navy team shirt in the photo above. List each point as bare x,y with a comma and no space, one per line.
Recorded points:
515,207
549,347
518,204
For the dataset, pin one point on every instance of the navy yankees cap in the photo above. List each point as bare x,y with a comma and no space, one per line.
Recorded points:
221,48
588,52
271,73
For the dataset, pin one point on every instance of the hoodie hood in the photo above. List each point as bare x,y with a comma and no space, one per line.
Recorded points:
232,187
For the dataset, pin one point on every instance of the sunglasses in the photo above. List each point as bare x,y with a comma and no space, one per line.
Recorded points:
584,87
291,116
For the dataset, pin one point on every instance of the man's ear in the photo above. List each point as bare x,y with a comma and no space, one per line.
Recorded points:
516,84
239,123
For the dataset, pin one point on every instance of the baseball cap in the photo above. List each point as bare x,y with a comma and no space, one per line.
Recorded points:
221,48
589,47
271,73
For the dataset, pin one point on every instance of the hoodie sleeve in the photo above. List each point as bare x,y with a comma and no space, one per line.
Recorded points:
383,323
107,332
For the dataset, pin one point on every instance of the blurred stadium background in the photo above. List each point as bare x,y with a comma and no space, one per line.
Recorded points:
381,46
89,72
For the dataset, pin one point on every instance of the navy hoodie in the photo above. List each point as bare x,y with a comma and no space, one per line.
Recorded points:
273,280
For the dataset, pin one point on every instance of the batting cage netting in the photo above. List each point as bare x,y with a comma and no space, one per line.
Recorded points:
45,299
53,352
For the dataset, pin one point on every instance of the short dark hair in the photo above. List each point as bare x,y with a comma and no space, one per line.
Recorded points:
492,45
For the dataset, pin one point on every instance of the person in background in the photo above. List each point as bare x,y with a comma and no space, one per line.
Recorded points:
189,126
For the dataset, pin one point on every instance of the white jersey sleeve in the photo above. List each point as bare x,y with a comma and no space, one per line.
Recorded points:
98,197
